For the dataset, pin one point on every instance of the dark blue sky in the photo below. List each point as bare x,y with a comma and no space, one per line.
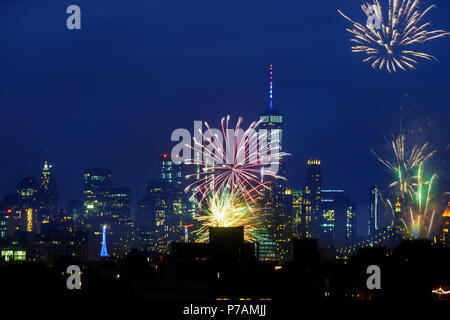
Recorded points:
111,94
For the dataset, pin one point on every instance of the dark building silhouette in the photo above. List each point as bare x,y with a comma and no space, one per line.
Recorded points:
153,218
121,233
176,217
75,209
162,213
338,221
9,214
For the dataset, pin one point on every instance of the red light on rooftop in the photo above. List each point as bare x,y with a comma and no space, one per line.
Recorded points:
9,211
165,155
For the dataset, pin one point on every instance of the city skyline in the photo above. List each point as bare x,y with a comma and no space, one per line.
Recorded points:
138,193
335,107
206,156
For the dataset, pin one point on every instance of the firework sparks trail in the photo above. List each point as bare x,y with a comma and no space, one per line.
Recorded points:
390,46
234,158
405,163
412,190
226,208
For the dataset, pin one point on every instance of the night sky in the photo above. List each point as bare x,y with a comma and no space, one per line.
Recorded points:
111,94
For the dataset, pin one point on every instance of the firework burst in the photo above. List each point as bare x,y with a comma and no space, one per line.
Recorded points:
389,44
234,159
411,192
226,208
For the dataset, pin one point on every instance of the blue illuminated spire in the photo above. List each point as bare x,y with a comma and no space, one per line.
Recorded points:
104,251
271,88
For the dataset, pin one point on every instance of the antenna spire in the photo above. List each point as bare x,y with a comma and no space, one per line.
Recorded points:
104,251
271,88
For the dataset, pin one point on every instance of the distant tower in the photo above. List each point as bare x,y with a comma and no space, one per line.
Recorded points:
374,202
277,201
27,192
170,173
48,192
272,121
171,177
121,225
312,199
104,251
338,221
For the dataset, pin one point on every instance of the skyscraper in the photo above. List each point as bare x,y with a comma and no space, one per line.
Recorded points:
9,216
298,217
97,205
374,202
162,213
159,208
278,231
76,211
171,178
329,206
5,213
97,184
146,223
444,236
170,173
272,120
48,192
312,200
277,200
27,213
338,221
121,226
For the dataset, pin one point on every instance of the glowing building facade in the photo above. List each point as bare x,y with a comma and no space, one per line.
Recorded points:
277,202
26,217
162,212
4,219
48,192
374,204
272,120
338,220
159,209
298,217
121,225
444,237
312,200
104,250
10,211
171,178
97,184
328,220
